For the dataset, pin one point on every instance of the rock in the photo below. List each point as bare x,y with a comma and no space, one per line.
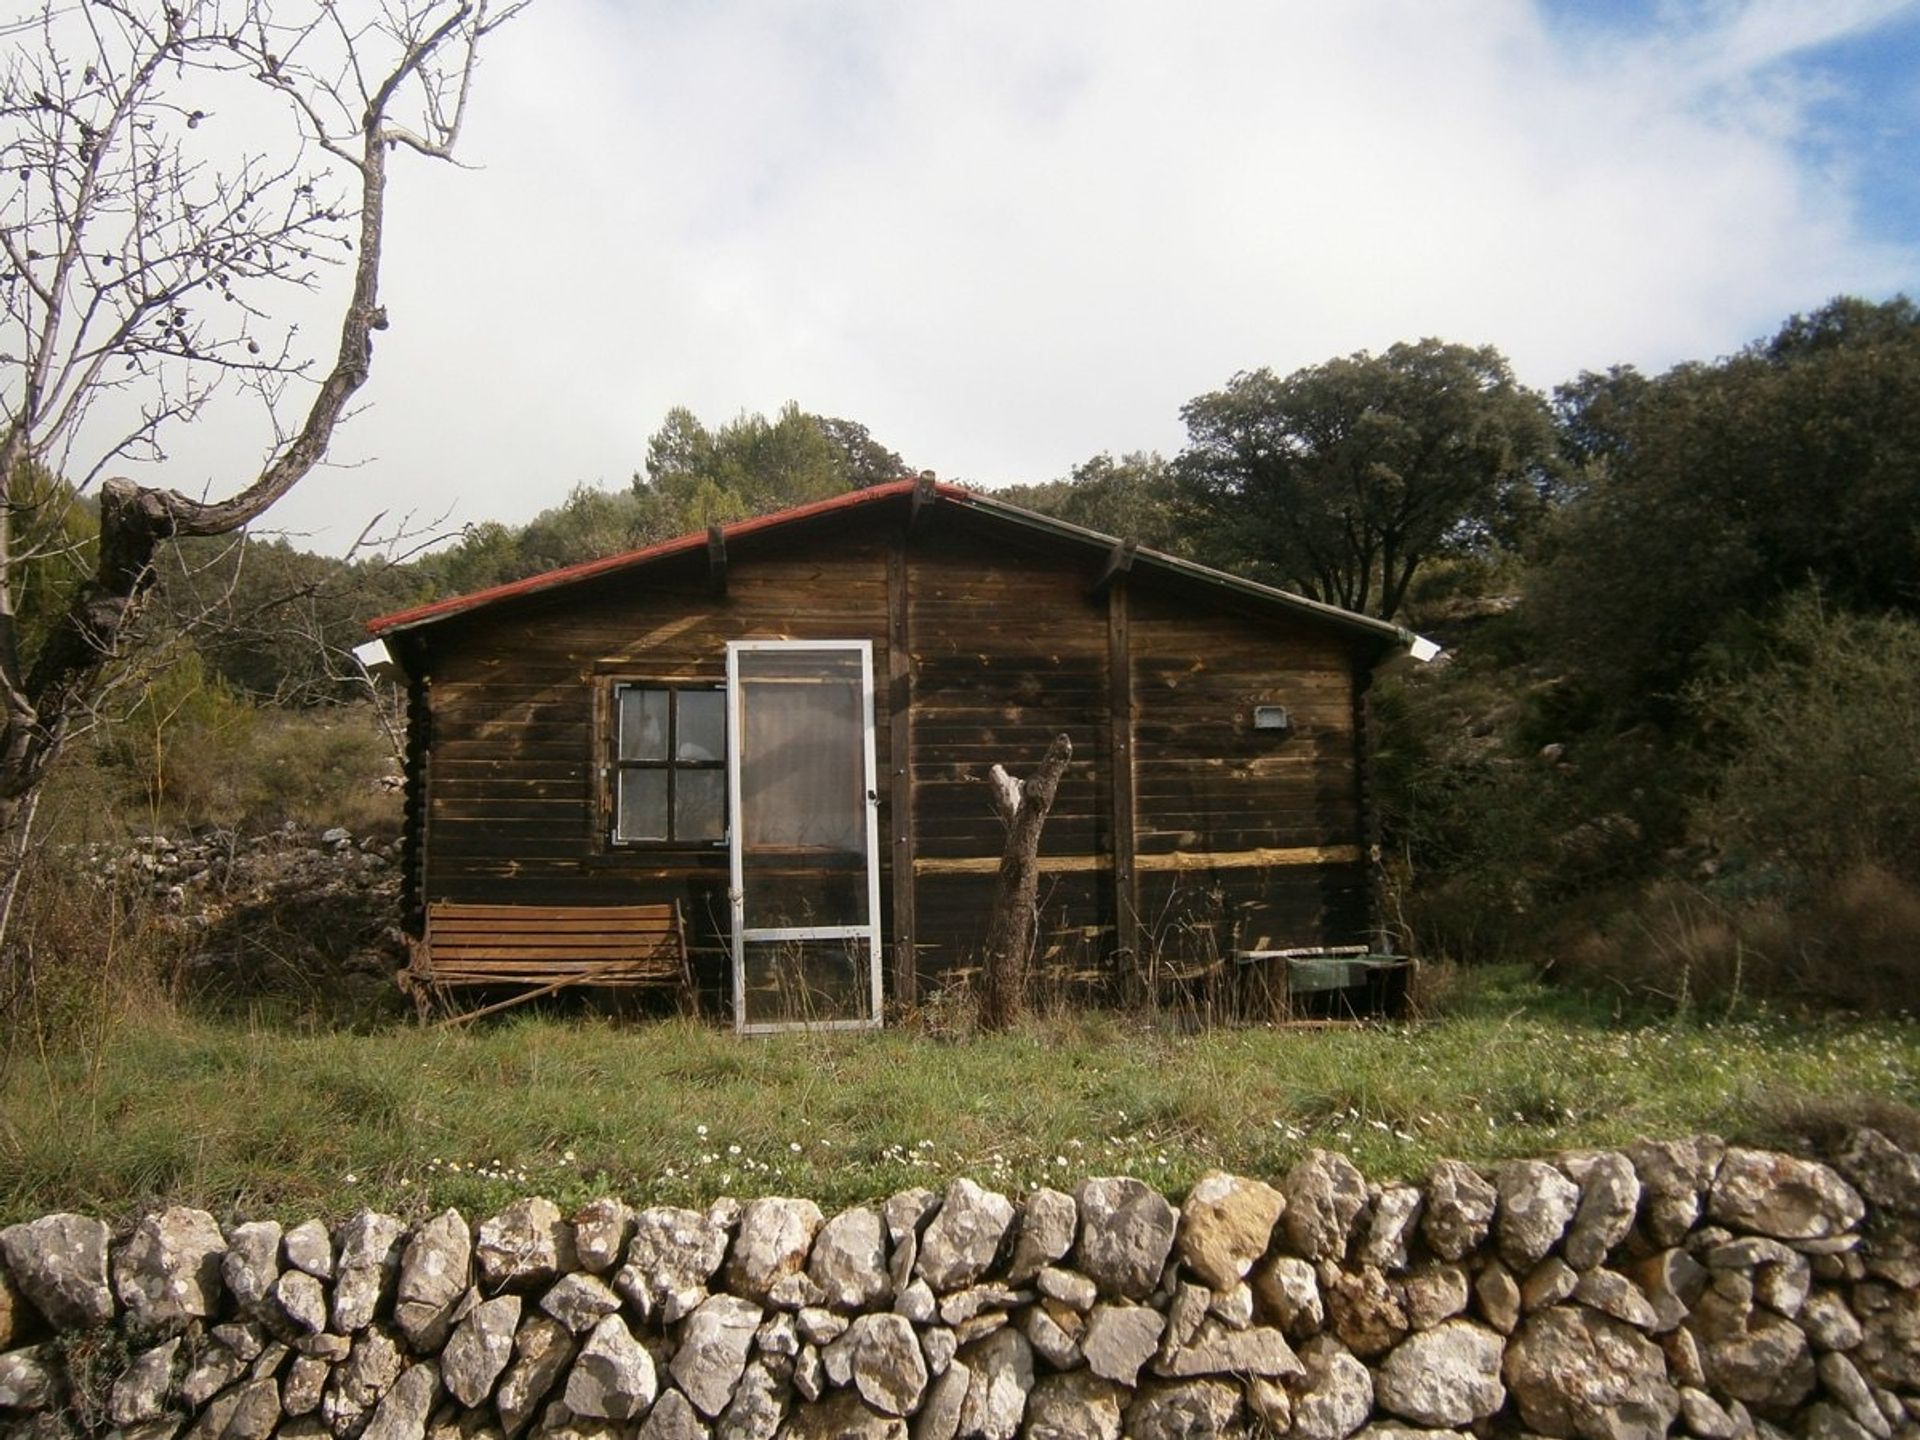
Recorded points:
142,1390
304,1384
219,1366
612,1377
759,1405
1498,1296
778,1335
670,1259
1050,1340
1119,1339
1537,1203
1704,1415
1779,1195
1069,1287
1574,1371
673,1418
819,1327
168,1272
1075,1406
309,1248
959,1245
849,1260
1844,1384
1674,1176
1750,1354
1325,1195
1365,1309
939,1417
433,1278
403,1410
580,1301
1887,1176
1337,1395
372,1365
1190,1410
542,1350
1683,1358
1609,1201
1395,1218
1613,1294
18,1319
939,1345
1126,1234
250,1412
962,1305
1185,1312
1001,1371
600,1231
369,1261
888,1369
28,1378
1049,1224
1889,1349
1446,1376
1234,1307
1286,1293
906,1215
1434,1293
479,1350
1460,1209
1548,1283
1828,1322
712,1354
1270,1405
59,1263
843,1417
1784,1285
1225,1225
1671,1281
523,1248
302,1299
250,1267
1217,1350
775,1235
916,1302
1829,1422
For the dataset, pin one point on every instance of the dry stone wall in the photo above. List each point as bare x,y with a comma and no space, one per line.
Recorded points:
1675,1287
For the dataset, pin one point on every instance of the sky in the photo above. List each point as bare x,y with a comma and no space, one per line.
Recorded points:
1007,236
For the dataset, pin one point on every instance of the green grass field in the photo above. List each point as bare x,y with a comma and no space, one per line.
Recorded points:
263,1121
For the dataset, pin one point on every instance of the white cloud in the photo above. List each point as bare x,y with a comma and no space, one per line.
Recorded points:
1007,236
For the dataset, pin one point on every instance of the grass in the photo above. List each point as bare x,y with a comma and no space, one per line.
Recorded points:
248,1119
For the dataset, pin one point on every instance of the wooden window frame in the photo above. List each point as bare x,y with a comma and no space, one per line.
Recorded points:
612,765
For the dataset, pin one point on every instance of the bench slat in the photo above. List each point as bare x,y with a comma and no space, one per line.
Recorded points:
552,946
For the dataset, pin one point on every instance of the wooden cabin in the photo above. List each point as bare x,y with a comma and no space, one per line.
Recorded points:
784,726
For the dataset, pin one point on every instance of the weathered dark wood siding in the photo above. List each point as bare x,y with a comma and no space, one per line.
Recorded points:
1240,836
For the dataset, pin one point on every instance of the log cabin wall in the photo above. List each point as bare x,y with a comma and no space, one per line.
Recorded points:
986,643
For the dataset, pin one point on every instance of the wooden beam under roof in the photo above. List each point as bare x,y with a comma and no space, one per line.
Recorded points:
925,496
717,559
1119,562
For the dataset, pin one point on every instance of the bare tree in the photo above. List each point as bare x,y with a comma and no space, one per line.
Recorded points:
1022,805
147,254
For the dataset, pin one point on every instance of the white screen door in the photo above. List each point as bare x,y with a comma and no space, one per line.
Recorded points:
803,841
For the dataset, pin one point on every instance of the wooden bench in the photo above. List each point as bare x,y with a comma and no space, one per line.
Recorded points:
546,948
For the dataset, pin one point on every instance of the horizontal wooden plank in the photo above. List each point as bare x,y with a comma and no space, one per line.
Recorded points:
1270,857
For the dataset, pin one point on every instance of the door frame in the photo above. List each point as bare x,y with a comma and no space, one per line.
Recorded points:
736,891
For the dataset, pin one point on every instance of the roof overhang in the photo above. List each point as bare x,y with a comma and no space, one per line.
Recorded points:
919,494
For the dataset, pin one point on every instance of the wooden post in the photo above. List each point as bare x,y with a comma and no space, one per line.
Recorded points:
906,975
1016,894
1120,718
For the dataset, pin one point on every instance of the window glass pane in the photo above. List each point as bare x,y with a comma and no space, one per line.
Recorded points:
702,734
700,805
643,805
801,766
643,724
807,982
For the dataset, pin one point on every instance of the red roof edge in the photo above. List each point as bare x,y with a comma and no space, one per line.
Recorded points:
612,564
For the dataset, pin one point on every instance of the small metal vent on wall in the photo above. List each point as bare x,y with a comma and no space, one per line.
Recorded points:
1272,717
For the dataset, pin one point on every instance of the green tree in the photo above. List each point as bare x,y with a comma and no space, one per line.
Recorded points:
1708,493
752,465
1341,480
1136,495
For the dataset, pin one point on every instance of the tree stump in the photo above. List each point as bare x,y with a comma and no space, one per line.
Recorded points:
1023,807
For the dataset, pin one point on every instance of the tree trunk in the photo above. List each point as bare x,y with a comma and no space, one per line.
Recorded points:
1010,929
